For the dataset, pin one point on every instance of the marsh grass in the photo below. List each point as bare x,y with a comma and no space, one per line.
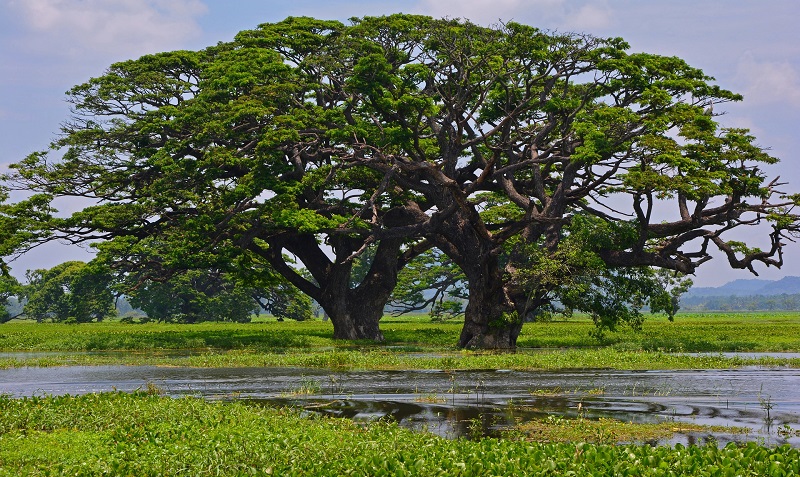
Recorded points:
308,386
371,359
690,332
148,435
553,429
429,398
413,343
695,332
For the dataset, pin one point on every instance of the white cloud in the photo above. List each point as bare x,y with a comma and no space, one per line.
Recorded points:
565,15
492,11
589,17
119,28
767,82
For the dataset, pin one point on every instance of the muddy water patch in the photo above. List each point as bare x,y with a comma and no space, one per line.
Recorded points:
468,403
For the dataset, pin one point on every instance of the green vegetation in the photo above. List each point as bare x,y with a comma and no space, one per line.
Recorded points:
194,296
690,332
77,292
148,435
378,359
711,332
72,292
559,345
317,158
782,302
608,431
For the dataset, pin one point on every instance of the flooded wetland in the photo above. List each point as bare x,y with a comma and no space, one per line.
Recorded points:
704,379
755,404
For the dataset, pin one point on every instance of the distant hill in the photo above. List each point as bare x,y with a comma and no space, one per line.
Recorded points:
749,287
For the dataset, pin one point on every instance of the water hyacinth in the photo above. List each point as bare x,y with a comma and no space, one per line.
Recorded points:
145,434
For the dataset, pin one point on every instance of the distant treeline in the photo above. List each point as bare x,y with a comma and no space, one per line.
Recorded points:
741,303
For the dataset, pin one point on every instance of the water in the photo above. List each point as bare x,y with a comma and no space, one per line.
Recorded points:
451,404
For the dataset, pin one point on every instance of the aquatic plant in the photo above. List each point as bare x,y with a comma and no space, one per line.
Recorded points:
146,435
308,386
609,431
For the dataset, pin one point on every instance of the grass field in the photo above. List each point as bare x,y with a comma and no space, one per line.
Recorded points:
689,332
551,345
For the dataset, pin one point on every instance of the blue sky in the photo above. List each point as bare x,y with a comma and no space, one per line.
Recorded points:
751,47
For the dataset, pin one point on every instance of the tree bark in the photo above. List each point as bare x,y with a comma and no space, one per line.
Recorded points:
354,312
354,318
490,320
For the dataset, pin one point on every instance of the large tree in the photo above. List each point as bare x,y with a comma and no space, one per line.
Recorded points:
72,291
558,126
208,159
531,159
10,293
194,296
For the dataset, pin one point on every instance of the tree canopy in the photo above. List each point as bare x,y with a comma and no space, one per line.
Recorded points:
194,296
538,162
69,292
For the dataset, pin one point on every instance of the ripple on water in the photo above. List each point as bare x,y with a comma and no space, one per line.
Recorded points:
448,403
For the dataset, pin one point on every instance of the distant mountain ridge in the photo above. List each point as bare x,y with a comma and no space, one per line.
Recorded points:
750,287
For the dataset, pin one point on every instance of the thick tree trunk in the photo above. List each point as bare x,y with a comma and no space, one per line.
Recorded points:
355,318
476,334
355,313
490,321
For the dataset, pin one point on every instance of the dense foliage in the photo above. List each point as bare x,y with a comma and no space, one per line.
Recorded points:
197,295
78,292
10,292
120,434
71,292
20,224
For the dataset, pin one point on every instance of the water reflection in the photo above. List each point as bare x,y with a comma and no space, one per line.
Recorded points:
465,403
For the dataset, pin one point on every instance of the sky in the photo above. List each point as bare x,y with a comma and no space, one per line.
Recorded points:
748,46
